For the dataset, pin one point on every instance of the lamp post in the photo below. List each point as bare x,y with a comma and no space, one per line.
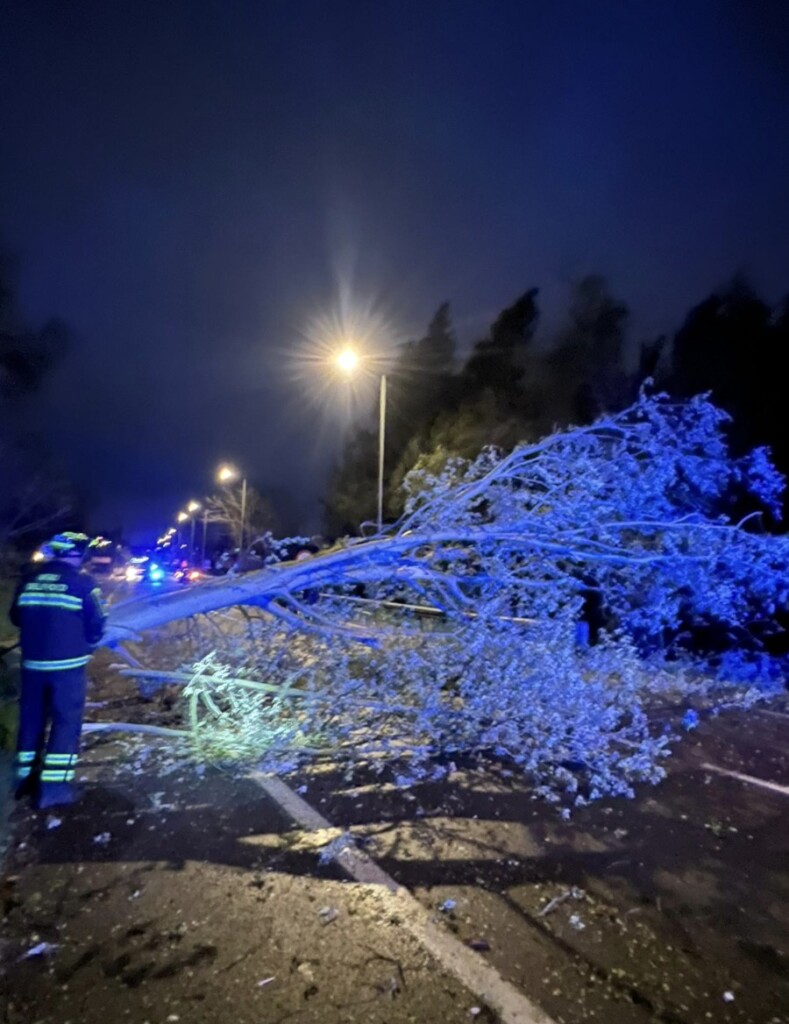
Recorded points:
191,508
205,534
226,474
348,362
180,519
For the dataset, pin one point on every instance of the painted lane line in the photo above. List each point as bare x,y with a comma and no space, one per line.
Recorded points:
773,714
774,787
475,973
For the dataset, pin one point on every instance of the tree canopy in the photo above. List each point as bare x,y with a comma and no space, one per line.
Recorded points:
515,387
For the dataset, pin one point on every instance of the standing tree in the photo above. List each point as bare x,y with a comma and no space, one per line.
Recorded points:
258,513
499,361
495,400
735,346
33,498
587,359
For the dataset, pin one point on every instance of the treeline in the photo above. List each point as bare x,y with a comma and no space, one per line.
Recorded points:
34,496
515,387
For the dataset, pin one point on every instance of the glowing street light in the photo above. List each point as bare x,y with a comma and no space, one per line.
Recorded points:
191,508
348,361
226,475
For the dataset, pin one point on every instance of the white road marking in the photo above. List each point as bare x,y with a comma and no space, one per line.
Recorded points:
773,714
479,976
774,787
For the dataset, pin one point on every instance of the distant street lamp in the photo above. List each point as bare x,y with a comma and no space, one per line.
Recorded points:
191,508
348,362
180,519
226,474
205,534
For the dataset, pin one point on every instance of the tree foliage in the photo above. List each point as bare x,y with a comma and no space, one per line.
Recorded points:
34,497
506,391
735,346
504,548
26,355
510,388
227,506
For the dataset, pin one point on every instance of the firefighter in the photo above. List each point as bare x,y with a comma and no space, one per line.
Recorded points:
60,616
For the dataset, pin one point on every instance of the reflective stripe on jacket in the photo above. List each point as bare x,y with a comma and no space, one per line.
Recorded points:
60,616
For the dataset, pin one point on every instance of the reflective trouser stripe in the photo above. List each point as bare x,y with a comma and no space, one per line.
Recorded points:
58,763
23,765
59,775
55,666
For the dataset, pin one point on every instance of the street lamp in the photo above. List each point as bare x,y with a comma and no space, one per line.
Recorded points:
180,519
191,508
348,361
205,534
226,474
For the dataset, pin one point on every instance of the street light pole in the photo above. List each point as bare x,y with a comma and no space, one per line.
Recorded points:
180,520
243,512
381,449
226,474
205,531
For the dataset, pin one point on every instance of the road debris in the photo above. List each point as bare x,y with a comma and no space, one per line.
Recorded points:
571,894
102,838
40,949
266,981
328,914
448,905
337,846
480,945
53,822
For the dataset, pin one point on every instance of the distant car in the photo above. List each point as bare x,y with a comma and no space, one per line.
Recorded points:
188,575
135,569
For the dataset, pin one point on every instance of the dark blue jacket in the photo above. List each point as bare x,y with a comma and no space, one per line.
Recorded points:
60,616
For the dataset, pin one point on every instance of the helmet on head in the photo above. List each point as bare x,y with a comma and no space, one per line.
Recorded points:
68,545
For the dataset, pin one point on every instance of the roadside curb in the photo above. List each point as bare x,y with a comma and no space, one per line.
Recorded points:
479,976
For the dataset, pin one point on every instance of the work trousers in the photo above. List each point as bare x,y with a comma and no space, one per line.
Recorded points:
46,764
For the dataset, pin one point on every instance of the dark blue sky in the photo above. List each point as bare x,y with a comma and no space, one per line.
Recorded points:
191,183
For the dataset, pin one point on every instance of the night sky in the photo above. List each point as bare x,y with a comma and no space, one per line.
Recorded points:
192,184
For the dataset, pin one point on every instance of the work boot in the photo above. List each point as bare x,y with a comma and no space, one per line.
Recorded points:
56,794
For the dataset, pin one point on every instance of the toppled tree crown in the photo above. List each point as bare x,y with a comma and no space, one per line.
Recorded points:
628,513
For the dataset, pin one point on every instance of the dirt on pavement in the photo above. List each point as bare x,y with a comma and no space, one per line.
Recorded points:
169,895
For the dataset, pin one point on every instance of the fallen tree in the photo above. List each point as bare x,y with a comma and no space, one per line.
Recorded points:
509,551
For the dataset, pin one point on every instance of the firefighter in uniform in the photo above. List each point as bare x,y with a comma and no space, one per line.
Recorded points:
60,616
